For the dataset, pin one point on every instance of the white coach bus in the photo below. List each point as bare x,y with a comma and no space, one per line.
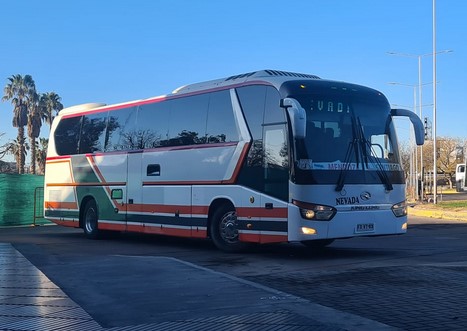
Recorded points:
263,157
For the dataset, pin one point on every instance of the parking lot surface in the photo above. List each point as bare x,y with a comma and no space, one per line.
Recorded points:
130,282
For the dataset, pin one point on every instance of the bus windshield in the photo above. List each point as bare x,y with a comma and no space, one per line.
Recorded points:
348,128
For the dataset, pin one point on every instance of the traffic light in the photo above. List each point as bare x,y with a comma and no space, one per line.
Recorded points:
425,125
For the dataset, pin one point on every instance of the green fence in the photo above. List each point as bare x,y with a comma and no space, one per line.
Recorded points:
21,200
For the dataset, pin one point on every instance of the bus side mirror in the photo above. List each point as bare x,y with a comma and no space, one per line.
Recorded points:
297,117
416,122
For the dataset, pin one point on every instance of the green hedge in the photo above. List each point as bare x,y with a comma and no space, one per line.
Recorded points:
17,199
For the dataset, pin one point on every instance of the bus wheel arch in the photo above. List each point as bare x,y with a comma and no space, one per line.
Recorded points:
89,217
222,226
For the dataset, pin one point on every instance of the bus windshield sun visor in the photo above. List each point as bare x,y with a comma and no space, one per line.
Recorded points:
364,154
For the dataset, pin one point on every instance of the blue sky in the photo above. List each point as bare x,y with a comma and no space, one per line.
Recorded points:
117,51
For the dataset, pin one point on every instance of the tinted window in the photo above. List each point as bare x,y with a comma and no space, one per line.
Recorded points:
221,126
276,161
93,133
273,113
121,130
187,123
67,136
153,124
252,100
267,163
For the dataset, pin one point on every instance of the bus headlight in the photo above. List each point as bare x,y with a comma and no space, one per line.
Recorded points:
313,212
400,209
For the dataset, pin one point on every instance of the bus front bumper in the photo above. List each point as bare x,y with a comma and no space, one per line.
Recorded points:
345,224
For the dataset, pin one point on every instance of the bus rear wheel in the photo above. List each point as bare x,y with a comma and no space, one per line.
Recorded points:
224,230
91,220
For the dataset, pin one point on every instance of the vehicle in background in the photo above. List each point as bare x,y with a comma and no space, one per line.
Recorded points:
460,177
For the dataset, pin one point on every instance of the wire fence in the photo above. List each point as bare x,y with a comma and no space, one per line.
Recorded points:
21,200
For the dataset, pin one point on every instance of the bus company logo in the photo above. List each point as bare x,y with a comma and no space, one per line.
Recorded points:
347,201
365,196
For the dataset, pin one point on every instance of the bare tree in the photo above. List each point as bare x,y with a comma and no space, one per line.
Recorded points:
447,156
404,152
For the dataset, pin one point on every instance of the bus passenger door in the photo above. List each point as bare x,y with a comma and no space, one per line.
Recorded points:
276,184
166,194
134,201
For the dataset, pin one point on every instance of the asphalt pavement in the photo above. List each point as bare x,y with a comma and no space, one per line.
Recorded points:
52,278
167,294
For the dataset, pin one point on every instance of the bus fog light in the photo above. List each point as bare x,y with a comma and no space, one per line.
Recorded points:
404,226
306,230
400,209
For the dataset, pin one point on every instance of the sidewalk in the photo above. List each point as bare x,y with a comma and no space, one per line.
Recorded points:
429,210
203,300
30,301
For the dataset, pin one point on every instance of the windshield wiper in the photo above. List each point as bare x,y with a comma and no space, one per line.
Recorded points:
353,147
368,153
360,145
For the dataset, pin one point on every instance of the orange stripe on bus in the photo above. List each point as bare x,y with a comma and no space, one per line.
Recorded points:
67,223
95,168
60,205
58,158
112,226
167,231
88,184
200,210
156,208
157,229
184,182
262,212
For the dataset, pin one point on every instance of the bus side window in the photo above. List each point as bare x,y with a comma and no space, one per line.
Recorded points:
67,135
153,124
187,121
276,161
121,130
221,125
93,133
252,100
273,113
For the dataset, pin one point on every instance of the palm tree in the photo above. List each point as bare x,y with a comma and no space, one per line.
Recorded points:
51,104
41,154
34,127
17,149
19,90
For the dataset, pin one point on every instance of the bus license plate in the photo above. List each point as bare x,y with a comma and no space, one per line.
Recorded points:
366,227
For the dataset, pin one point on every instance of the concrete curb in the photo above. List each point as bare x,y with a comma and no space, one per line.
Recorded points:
438,213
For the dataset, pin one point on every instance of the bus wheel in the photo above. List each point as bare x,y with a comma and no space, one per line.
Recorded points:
224,230
90,220
317,244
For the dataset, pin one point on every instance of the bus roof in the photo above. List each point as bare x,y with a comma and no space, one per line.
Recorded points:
267,75
274,77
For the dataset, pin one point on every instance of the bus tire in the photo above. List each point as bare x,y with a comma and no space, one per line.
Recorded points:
91,220
224,230
317,244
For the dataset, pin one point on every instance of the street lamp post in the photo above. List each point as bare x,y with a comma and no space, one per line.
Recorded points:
420,104
435,170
